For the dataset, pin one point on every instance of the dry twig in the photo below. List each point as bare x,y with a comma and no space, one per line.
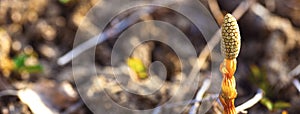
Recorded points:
293,73
108,33
297,84
35,102
113,31
215,10
251,102
199,96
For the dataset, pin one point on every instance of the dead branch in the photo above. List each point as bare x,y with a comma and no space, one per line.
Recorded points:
251,102
199,96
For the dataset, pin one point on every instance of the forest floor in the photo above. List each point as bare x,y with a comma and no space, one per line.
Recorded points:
34,34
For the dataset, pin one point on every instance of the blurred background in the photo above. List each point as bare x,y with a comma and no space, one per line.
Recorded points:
34,34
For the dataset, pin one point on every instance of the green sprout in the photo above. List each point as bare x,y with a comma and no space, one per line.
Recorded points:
64,1
259,77
21,66
138,67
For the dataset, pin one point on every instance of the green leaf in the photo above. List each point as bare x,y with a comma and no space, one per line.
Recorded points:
33,69
264,87
281,105
259,78
266,102
138,67
64,1
20,66
143,75
19,61
255,71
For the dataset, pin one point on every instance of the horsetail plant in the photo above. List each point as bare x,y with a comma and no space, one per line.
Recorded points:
230,47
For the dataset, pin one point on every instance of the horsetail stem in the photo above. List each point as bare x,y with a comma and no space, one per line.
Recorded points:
230,48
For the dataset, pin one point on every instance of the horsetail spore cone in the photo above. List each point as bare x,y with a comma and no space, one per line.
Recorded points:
231,40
